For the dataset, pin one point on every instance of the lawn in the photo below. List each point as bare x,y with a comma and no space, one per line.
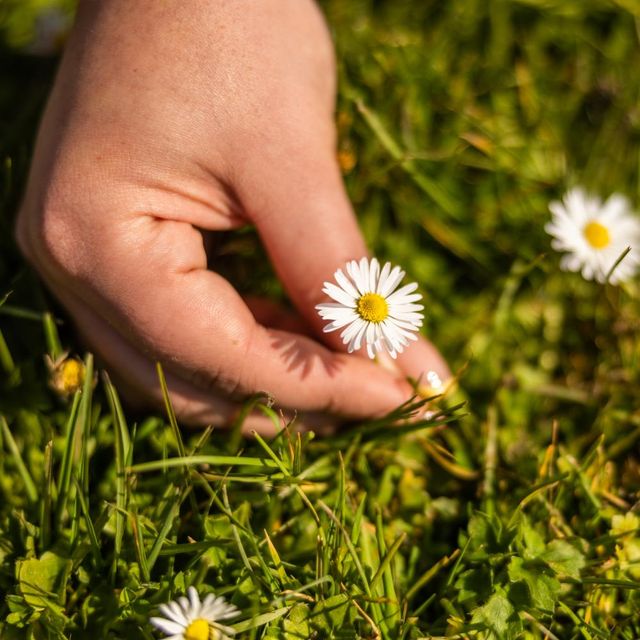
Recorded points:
513,511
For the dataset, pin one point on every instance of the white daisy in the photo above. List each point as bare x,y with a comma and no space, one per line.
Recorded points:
595,235
370,310
191,619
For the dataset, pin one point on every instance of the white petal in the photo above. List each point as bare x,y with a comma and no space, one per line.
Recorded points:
195,602
167,626
356,341
622,273
174,612
616,207
588,271
217,608
371,352
345,283
384,274
338,313
396,336
348,334
229,631
334,310
404,308
354,271
371,333
392,281
178,613
210,599
408,316
359,337
338,294
403,293
391,351
570,262
365,271
390,336
561,245
557,209
374,272
404,329
186,606
404,299
579,204
338,324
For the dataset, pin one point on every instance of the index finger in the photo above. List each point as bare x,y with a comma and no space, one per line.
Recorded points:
298,202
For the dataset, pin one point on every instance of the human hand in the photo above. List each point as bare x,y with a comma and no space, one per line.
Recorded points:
172,119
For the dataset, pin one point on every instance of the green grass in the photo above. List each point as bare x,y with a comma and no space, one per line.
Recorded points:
502,518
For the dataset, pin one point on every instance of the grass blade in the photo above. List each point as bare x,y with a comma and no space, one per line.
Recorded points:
6,359
54,348
27,480
122,444
170,412
47,496
64,475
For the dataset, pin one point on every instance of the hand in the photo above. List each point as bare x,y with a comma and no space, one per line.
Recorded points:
172,118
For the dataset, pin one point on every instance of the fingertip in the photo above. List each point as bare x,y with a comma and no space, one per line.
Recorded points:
379,390
423,363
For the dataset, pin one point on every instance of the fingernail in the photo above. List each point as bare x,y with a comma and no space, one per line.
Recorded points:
388,363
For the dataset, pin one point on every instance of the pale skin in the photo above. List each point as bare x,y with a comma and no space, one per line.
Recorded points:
171,118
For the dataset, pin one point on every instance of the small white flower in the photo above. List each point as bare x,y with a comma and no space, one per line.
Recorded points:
370,309
435,381
191,619
595,234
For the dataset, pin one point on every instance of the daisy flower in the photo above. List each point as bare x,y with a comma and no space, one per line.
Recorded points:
369,310
192,619
595,234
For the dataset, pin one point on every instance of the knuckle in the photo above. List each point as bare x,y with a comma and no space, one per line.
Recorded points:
21,236
48,238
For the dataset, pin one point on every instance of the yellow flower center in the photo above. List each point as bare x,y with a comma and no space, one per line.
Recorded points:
373,307
67,377
597,235
72,374
198,630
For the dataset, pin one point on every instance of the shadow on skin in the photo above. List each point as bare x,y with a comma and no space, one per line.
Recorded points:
301,354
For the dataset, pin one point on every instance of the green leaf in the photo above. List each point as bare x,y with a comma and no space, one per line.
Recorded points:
480,531
296,625
474,585
533,541
564,558
543,587
489,535
43,580
498,617
330,613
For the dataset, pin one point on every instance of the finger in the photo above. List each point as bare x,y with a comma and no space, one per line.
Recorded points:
275,316
136,379
298,202
296,198
422,362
